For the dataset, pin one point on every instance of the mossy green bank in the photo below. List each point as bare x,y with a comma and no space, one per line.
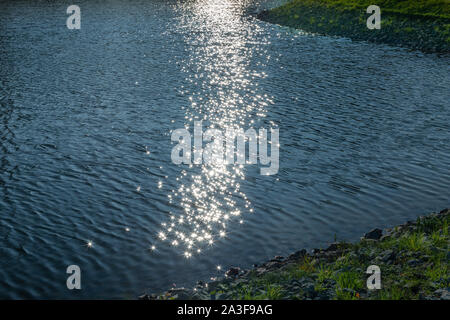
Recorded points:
416,24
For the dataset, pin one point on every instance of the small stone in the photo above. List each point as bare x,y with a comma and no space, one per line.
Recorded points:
213,285
180,293
221,296
374,234
388,256
443,294
329,283
309,289
272,264
413,262
232,272
261,270
278,258
333,247
297,255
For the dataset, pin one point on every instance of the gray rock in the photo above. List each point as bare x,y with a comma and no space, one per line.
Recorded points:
333,247
277,258
213,285
221,296
443,294
325,295
232,272
351,291
309,290
261,270
414,262
388,256
297,255
374,234
329,283
180,293
272,264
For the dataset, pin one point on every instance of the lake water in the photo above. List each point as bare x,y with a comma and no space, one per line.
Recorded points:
85,142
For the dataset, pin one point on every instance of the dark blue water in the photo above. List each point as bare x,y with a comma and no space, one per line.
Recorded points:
85,127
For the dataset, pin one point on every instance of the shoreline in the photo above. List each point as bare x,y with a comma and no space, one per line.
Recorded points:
413,258
425,32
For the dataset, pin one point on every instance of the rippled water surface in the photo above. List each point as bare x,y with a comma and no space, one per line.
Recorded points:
85,142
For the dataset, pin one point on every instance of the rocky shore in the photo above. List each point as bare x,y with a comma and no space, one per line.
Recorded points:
418,30
413,259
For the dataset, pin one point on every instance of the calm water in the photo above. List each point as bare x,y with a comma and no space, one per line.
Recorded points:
85,125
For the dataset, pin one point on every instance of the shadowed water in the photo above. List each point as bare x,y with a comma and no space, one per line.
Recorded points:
85,142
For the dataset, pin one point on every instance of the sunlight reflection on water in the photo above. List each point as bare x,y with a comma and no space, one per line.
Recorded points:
224,94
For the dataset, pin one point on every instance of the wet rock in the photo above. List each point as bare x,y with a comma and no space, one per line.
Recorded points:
388,256
350,291
309,290
329,283
272,265
414,262
147,297
213,285
325,295
297,255
386,237
443,294
332,247
374,234
221,296
232,272
180,293
260,270
277,259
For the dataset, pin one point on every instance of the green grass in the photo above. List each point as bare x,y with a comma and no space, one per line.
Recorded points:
437,272
414,242
394,292
435,8
324,273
